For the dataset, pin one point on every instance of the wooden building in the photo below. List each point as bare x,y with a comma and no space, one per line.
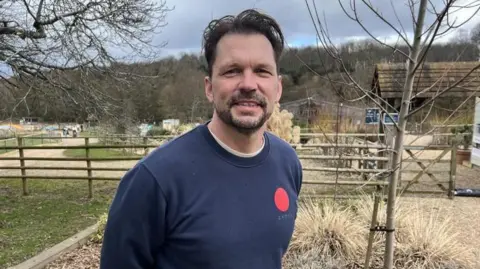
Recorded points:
431,79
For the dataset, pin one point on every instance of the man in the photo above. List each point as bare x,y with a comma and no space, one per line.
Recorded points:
224,194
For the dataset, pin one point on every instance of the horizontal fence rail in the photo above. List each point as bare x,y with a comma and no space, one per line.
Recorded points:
326,145
372,166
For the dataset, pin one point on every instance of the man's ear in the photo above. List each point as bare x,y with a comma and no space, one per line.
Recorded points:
279,89
208,89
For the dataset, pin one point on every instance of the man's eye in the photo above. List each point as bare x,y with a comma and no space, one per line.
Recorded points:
232,71
264,71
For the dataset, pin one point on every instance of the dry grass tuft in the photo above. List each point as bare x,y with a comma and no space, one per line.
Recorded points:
329,235
363,207
327,231
431,240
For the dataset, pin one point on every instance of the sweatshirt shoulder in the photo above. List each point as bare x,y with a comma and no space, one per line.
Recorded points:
282,146
283,152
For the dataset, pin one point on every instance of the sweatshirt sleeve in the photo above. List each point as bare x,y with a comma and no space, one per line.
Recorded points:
136,222
299,175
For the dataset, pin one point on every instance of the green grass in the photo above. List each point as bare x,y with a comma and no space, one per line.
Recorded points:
88,134
100,153
26,142
53,211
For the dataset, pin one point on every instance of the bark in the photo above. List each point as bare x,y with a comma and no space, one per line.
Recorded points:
398,146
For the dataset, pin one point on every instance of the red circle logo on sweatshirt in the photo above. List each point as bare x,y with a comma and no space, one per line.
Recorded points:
281,199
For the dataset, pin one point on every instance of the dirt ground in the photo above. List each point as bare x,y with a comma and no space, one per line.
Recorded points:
464,211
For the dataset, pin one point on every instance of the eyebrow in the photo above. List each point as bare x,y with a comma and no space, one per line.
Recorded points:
236,64
266,66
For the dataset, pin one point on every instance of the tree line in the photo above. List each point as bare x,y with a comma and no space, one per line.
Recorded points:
172,87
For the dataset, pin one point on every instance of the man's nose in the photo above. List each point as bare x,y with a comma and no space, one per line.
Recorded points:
248,81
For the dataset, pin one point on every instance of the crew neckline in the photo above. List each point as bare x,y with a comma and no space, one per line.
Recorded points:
228,156
236,152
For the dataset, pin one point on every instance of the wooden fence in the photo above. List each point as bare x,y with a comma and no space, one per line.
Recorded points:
357,163
37,139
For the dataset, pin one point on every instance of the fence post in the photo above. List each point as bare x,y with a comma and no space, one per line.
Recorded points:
89,165
453,171
132,150
22,165
145,142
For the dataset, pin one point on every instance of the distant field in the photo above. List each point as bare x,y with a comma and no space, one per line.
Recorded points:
27,142
99,153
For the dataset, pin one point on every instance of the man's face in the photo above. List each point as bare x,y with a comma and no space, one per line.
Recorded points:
244,84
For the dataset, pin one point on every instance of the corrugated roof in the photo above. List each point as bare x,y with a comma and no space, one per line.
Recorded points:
389,79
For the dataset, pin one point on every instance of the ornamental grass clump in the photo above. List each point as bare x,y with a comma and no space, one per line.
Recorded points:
326,233
335,235
280,123
425,239
430,240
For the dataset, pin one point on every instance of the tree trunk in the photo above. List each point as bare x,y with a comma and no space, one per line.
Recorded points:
398,146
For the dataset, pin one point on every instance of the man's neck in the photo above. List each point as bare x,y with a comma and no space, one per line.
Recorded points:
235,140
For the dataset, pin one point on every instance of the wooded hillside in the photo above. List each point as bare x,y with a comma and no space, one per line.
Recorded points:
173,87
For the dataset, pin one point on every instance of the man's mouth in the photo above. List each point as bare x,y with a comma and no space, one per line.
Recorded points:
247,103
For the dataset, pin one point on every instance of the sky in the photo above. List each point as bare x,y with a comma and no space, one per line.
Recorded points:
189,18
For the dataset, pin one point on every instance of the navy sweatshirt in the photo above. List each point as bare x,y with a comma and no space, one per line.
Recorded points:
192,204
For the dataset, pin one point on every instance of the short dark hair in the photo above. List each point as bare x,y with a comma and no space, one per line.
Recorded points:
247,22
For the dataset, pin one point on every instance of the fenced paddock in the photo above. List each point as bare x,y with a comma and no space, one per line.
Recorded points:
333,164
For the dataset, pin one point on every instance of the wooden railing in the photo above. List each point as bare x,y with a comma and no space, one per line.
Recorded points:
354,158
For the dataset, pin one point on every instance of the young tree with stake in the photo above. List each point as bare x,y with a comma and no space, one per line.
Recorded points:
424,34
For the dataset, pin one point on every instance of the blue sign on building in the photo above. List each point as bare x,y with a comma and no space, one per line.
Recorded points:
388,120
372,116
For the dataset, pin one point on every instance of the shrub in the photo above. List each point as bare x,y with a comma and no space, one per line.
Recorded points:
158,131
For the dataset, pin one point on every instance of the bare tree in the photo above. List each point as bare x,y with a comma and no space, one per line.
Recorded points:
424,34
475,34
62,45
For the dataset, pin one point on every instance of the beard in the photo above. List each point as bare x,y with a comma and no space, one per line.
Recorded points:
243,126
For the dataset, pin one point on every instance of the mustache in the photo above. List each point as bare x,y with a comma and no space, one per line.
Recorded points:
247,96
